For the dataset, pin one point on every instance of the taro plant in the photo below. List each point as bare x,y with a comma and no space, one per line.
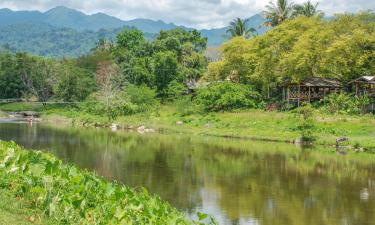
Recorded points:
68,195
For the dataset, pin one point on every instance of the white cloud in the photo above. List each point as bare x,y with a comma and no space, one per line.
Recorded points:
194,13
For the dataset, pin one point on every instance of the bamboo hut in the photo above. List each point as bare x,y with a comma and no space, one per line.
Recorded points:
364,85
310,89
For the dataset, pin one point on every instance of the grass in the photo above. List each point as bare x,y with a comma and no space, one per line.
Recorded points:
38,185
251,124
17,212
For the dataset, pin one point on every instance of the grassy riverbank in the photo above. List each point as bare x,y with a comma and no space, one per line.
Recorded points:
251,124
38,185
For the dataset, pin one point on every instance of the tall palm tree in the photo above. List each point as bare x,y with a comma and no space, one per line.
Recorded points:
238,28
279,12
307,9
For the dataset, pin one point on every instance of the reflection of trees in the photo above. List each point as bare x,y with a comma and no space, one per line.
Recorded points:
275,184
268,190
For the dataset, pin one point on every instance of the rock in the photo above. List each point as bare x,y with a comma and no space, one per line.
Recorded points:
179,123
115,127
207,125
141,129
150,130
341,140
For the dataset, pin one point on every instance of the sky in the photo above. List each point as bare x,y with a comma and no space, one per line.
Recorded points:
193,13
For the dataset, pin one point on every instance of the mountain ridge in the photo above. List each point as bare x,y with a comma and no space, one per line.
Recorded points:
62,17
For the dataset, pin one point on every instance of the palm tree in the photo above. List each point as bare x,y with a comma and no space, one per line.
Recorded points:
238,28
279,12
307,9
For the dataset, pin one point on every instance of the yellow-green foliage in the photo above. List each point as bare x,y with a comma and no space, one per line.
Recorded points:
343,48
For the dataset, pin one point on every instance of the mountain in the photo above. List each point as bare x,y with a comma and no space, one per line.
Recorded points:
68,32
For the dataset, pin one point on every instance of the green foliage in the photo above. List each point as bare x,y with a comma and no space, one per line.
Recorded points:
130,39
239,28
227,96
68,195
118,105
144,98
165,70
11,84
175,90
346,104
341,48
306,126
185,106
75,84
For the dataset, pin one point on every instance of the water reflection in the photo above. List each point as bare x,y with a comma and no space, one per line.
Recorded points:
239,182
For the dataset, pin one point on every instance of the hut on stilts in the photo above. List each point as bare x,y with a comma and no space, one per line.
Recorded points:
310,89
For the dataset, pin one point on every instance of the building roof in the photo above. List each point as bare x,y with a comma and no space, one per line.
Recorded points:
318,82
364,79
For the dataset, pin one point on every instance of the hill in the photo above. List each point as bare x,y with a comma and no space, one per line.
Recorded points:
62,31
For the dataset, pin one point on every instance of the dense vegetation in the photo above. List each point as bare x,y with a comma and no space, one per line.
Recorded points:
68,195
64,32
46,40
341,48
133,74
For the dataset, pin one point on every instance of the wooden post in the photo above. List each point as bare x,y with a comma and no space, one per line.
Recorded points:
309,94
288,94
299,95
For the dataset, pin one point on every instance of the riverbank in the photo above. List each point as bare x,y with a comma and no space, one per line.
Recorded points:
249,124
68,195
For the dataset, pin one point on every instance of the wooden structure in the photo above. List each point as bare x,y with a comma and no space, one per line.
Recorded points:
310,89
364,85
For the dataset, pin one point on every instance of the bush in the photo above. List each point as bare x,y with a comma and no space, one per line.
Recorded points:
142,97
306,126
346,104
175,90
227,96
118,105
185,106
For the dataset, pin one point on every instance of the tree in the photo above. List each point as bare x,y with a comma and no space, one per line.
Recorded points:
11,84
165,71
279,12
130,39
39,77
238,28
307,9
107,78
74,84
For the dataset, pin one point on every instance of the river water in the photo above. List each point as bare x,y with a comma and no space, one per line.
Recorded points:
236,181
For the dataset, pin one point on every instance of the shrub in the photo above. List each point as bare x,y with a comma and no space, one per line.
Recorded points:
175,90
142,97
227,96
118,105
347,104
185,106
306,126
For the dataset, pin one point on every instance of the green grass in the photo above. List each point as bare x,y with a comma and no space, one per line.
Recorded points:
17,212
34,182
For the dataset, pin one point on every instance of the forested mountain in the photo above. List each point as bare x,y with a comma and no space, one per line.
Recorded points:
67,32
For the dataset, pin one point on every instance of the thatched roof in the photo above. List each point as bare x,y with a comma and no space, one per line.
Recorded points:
365,79
318,82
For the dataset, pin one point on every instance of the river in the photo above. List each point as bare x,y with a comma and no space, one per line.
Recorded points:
236,181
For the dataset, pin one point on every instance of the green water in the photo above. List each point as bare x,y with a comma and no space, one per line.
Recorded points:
237,181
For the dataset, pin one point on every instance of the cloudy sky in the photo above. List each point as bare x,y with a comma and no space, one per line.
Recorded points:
193,13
